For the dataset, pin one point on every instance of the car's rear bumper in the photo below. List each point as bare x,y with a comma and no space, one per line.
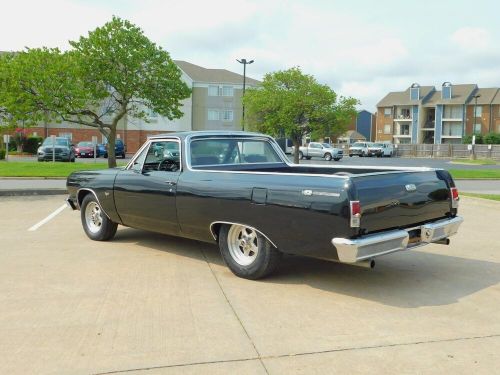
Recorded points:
374,245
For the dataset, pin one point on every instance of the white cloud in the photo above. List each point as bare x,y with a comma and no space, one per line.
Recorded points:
472,39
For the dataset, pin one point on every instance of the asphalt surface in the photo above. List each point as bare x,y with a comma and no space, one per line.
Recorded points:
152,304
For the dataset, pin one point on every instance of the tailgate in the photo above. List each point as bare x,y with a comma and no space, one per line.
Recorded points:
400,199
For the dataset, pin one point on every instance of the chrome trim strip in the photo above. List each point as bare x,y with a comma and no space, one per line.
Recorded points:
230,222
374,245
95,195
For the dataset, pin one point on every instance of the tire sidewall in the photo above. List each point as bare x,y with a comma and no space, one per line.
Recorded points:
108,228
328,156
253,270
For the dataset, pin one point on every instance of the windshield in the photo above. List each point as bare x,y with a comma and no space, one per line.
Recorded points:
232,151
85,144
357,144
378,145
327,145
57,141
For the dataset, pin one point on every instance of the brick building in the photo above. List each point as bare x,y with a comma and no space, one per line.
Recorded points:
422,114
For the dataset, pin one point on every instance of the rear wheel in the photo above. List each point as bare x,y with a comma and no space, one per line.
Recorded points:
328,157
336,159
308,157
301,155
96,224
246,252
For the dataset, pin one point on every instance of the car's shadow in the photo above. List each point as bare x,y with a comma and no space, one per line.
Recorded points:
407,279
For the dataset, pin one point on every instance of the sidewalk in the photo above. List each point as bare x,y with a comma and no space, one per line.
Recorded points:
29,186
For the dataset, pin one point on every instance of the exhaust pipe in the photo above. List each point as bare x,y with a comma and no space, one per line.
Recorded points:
444,241
365,263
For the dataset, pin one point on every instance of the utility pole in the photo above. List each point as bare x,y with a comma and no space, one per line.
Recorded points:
473,155
245,63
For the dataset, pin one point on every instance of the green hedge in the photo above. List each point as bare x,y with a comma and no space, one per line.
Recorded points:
488,139
31,144
2,154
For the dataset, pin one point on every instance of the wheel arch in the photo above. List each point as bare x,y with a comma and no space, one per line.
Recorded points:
83,192
216,226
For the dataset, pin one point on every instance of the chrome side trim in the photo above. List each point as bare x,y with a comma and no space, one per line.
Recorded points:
374,245
95,195
230,222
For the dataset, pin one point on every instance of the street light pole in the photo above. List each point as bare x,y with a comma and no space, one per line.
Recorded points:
245,63
474,125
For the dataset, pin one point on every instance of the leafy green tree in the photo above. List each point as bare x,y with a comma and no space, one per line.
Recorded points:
113,72
293,104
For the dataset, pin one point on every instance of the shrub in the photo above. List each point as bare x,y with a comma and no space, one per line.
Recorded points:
2,154
467,139
492,139
31,144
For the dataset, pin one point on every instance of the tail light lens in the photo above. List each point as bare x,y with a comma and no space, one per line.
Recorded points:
454,197
355,214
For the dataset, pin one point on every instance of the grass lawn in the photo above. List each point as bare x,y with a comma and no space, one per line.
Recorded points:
46,169
494,197
474,162
475,173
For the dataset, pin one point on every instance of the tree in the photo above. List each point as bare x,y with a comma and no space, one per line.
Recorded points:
113,72
293,104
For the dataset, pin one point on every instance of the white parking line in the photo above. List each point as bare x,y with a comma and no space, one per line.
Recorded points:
48,218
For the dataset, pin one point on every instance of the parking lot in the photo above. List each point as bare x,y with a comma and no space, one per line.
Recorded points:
152,304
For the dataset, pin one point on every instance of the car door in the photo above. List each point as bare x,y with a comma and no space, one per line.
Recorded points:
316,149
145,192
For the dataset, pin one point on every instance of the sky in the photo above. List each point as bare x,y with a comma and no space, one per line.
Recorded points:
363,49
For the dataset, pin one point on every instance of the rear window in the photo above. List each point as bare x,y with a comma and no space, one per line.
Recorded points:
231,151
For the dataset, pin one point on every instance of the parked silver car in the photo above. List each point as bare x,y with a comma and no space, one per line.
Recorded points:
320,150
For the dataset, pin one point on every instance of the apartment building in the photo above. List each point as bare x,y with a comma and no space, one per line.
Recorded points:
215,104
422,114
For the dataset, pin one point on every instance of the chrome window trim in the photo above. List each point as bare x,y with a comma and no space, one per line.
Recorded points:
147,144
95,195
246,225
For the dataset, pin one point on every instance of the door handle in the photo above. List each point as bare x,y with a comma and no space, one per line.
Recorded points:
171,183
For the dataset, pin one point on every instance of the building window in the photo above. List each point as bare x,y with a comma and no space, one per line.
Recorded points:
227,115
479,111
213,115
477,128
227,91
387,129
387,112
213,90
453,111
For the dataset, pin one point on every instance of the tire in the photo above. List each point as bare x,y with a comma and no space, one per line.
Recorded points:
308,157
123,156
328,156
350,155
95,223
106,155
336,159
261,259
301,155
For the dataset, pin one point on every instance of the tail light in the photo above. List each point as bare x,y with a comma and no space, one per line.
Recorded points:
355,214
454,197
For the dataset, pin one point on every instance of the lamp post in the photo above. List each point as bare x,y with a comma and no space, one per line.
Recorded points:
245,63
473,155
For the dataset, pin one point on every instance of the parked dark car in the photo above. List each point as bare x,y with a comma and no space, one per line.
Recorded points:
86,150
58,149
120,149
239,190
101,149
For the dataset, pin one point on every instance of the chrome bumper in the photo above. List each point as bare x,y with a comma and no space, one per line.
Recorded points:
375,245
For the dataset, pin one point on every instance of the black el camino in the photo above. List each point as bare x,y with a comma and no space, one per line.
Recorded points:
238,189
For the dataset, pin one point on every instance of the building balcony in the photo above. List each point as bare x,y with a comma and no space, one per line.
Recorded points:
451,119
404,135
401,118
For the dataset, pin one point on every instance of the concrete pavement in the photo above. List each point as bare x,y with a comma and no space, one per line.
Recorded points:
152,304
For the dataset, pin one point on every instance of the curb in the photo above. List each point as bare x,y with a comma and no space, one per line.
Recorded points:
28,192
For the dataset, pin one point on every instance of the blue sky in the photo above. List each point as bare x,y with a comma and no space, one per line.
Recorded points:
360,48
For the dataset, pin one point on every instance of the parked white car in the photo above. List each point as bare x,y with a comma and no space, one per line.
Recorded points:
320,150
381,149
360,149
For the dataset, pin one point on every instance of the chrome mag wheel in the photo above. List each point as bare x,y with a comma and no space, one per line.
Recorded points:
93,217
243,244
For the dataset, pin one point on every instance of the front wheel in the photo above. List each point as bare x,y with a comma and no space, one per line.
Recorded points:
328,157
301,155
96,224
246,252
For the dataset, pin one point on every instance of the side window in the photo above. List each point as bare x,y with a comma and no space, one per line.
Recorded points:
139,161
162,156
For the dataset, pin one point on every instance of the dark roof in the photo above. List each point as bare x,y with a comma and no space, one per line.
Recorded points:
487,96
403,97
200,74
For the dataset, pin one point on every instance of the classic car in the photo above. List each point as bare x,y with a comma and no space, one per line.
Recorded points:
239,190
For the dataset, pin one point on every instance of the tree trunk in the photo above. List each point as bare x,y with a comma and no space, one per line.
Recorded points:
296,147
111,147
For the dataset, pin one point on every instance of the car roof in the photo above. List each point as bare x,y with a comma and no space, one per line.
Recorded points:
207,133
